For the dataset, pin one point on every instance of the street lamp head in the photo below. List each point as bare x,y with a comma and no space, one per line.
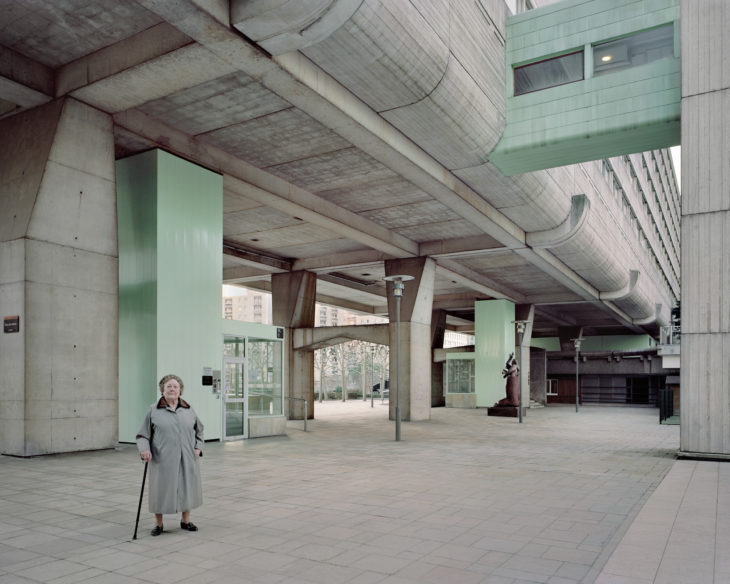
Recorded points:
398,285
521,325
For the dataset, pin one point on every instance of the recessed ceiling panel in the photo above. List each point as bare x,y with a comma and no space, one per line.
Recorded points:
278,138
56,32
223,102
341,169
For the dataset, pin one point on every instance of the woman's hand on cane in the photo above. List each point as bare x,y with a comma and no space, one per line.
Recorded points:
146,455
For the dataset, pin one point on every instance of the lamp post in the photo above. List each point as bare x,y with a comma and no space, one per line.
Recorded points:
521,326
372,372
398,287
576,344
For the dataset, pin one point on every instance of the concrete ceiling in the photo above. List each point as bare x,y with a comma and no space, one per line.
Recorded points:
308,185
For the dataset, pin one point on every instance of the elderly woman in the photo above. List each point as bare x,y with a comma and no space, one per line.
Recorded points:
171,440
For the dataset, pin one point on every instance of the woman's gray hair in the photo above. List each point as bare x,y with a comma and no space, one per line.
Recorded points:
167,378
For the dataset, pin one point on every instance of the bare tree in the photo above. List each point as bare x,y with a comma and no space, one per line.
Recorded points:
324,359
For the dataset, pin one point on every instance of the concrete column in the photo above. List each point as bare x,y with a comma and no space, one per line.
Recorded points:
293,295
705,286
494,341
58,275
438,332
415,349
538,375
170,223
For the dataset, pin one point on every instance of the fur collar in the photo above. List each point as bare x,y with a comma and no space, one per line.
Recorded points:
162,403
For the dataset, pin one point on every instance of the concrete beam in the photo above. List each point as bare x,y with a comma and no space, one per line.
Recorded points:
243,274
461,247
253,259
23,81
311,339
342,261
131,52
475,281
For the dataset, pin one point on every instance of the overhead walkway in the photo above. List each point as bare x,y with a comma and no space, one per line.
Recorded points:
589,497
590,80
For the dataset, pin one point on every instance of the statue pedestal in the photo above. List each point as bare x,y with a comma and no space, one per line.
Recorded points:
506,411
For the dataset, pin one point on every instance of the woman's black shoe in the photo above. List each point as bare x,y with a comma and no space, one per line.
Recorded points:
188,526
157,530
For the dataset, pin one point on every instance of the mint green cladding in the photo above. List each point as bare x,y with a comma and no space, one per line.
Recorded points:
170,273
602,343
632,110
493,342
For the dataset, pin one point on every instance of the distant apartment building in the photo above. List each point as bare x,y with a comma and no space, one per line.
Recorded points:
255,306
249,306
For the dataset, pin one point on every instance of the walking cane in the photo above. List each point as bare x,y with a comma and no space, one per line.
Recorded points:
139,507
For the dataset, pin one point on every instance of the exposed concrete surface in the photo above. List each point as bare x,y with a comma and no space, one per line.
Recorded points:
462,498
705,353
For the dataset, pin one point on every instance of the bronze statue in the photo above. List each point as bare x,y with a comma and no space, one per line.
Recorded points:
511,372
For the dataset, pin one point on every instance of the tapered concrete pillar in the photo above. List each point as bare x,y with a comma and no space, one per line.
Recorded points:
293,296
414,385
58,281
705,350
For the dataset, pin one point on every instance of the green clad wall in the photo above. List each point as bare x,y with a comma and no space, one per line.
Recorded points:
493,342
170,270
628,110
602,343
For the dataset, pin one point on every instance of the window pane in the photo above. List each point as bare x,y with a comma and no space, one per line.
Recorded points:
233,347
550,73
636,49
460,376
264,377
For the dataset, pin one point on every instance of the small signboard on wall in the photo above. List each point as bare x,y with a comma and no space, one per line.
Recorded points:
11,324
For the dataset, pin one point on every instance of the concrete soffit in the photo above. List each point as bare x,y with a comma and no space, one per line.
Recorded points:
310,89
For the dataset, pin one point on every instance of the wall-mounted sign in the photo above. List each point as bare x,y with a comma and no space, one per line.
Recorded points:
279,333
11,324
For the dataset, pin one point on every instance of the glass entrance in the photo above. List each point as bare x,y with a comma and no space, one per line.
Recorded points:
234,398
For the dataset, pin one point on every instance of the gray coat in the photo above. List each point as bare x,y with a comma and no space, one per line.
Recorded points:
172,436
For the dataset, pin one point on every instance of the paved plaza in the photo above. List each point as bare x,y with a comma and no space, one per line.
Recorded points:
566,497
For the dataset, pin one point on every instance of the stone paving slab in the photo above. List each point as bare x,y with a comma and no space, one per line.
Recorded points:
462,498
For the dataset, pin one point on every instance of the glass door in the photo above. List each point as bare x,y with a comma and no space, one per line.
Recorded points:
234,399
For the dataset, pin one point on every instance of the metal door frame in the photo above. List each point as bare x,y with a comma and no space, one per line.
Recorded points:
244,400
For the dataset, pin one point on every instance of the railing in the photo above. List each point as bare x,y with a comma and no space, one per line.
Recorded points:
305,409
670,335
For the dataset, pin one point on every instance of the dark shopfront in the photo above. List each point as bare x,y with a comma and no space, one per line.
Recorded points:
631,378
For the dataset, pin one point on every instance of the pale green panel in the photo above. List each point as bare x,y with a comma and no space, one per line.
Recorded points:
624,112
603,343
494,340
136,179
617,343
189,280
562,26
547,343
